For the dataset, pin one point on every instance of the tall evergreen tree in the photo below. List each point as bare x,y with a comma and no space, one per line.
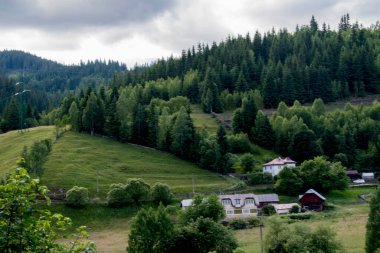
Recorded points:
262,132
183,135
139,128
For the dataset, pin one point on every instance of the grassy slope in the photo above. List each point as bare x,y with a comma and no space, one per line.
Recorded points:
76,158
12,143
203,120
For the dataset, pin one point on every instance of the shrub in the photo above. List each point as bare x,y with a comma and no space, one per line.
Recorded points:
77,196
261,178
238,224
300,216
161,193
253,222
116,195
268,210
136,190
239,143
247,162
294,209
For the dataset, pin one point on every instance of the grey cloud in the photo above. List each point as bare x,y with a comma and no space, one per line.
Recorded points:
76,14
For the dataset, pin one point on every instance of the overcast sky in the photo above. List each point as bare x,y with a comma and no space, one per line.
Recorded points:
139,31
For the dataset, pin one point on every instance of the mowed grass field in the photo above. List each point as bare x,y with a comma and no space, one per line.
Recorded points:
12,143
77,159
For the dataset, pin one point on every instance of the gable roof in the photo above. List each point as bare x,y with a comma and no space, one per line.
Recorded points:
312,191
280,161
267,198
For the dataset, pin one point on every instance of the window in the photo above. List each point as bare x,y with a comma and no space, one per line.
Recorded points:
246,211
226,202
249,201
237,201
229,212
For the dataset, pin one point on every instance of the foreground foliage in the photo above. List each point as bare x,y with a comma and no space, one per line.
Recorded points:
373,226
24,227
198,231
283,238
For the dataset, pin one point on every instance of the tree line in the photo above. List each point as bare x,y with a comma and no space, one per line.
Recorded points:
312,62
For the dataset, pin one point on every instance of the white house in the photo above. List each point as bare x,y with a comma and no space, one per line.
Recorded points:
276,165
239,205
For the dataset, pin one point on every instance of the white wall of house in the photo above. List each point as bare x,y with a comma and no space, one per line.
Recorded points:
239,208
276,169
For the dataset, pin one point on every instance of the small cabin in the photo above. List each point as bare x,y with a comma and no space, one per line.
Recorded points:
353,174
311,200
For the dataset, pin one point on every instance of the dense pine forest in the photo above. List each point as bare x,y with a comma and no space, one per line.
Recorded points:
47,82
150,105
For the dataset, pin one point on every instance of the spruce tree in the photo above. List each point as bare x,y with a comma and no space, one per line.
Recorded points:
262,133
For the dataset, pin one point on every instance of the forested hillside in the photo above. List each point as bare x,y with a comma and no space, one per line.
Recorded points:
150,105
312,62
47,82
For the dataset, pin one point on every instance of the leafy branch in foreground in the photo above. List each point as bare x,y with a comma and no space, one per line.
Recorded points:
25,227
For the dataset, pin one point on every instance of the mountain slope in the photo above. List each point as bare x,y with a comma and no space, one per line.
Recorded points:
77,158
12,143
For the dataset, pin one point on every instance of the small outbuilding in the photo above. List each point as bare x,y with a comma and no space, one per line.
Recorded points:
368,176
353,174
311,200
285,208
266,199
186,203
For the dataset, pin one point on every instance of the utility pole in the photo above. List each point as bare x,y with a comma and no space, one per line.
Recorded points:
261,235
192,177
21,104
97,181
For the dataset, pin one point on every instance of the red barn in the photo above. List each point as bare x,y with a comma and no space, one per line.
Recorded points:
311,200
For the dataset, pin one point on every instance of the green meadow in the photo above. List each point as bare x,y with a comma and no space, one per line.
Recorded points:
83,160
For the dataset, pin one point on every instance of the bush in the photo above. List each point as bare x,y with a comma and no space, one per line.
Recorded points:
261,178
294,209
238,224
247,162
253,222
136,190
230,161
77,196
116,195
268,210
161,193
300,216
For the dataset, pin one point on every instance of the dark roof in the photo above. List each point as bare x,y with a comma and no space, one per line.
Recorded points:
352,172
267,198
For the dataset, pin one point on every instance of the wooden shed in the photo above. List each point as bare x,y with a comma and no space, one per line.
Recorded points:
311,200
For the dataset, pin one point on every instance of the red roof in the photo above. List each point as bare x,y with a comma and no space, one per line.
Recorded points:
280,161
